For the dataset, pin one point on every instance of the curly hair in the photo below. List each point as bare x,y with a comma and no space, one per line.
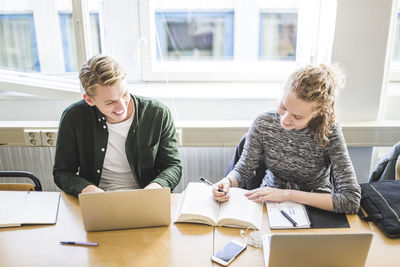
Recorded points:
100,70
318,84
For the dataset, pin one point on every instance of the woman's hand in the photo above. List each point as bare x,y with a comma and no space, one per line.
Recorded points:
224,184
268,194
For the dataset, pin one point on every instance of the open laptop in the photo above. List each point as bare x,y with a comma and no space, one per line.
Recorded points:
126,209
310,249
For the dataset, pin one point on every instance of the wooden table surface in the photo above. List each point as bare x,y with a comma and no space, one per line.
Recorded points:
383,251
174,245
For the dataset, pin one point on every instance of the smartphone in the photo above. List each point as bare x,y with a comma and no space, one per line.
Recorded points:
228,253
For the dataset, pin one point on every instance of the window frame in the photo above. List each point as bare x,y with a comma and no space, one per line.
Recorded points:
66,43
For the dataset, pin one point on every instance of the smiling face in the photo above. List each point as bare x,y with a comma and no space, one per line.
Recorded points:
295,113
113,101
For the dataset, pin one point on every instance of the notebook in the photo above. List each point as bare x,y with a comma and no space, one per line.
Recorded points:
296,211
126,209
28,207
312,249
304,216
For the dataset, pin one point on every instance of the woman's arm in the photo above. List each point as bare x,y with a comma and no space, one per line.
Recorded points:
346,194
318,200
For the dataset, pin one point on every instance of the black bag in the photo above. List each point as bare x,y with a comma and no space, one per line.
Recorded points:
381,201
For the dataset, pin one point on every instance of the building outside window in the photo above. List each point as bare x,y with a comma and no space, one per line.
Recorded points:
278,35
18,43
194,35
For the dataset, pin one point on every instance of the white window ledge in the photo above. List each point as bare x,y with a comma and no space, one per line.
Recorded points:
224,133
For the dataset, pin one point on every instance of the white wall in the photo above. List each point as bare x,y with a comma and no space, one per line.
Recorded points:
361,46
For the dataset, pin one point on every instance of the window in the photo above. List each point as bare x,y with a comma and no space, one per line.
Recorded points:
32,40
194,35
232,40
278,35
396,47
68,39
18,43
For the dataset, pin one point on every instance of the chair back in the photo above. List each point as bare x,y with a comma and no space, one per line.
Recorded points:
36,186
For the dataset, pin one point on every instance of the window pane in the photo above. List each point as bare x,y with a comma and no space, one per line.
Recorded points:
18,43
68,39
396,47
278,35
194,35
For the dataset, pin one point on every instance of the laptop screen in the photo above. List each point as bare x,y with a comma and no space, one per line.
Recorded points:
126,209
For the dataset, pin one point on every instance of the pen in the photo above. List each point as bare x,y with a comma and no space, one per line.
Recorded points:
209,183
289,218
95,244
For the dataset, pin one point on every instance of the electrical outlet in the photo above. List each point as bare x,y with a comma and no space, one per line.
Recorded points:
49,137
32,137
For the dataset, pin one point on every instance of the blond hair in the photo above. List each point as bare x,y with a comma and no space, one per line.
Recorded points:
318,84
100,70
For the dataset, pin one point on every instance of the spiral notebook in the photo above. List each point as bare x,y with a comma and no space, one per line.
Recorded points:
296,212
304,216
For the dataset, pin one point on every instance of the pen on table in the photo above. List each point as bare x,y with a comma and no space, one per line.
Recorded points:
94,244
209,183
289,218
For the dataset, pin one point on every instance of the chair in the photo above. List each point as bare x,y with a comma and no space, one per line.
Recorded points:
388,167
259,174
20,186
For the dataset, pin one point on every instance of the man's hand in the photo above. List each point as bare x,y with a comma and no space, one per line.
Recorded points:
153,185
91,189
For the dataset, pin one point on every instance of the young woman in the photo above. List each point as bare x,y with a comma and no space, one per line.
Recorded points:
302,147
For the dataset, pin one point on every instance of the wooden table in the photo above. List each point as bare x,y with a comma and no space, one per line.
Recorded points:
174,245
383,251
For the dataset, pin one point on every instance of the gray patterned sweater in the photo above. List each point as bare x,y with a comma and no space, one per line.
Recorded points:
295,161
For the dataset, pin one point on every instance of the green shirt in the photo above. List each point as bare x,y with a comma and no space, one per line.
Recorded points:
151,146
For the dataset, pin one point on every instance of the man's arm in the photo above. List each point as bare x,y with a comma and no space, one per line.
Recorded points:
167,158
66,161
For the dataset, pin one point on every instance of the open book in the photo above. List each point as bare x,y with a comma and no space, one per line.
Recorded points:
198,206
295,211
28,207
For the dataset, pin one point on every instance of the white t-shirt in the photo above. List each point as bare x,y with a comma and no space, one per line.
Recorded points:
116,174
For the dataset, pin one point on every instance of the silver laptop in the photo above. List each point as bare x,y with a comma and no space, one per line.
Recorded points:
126,209
307,249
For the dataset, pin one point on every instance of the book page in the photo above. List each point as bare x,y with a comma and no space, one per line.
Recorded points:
12,203
240,211
41,208
295,210
197,200
28,207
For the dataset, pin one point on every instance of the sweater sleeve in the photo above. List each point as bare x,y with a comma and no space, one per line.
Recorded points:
347,193
250,158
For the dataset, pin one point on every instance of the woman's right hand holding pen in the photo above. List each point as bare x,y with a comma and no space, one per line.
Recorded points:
224,184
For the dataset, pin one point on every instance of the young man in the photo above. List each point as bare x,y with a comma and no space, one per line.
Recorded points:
112,140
